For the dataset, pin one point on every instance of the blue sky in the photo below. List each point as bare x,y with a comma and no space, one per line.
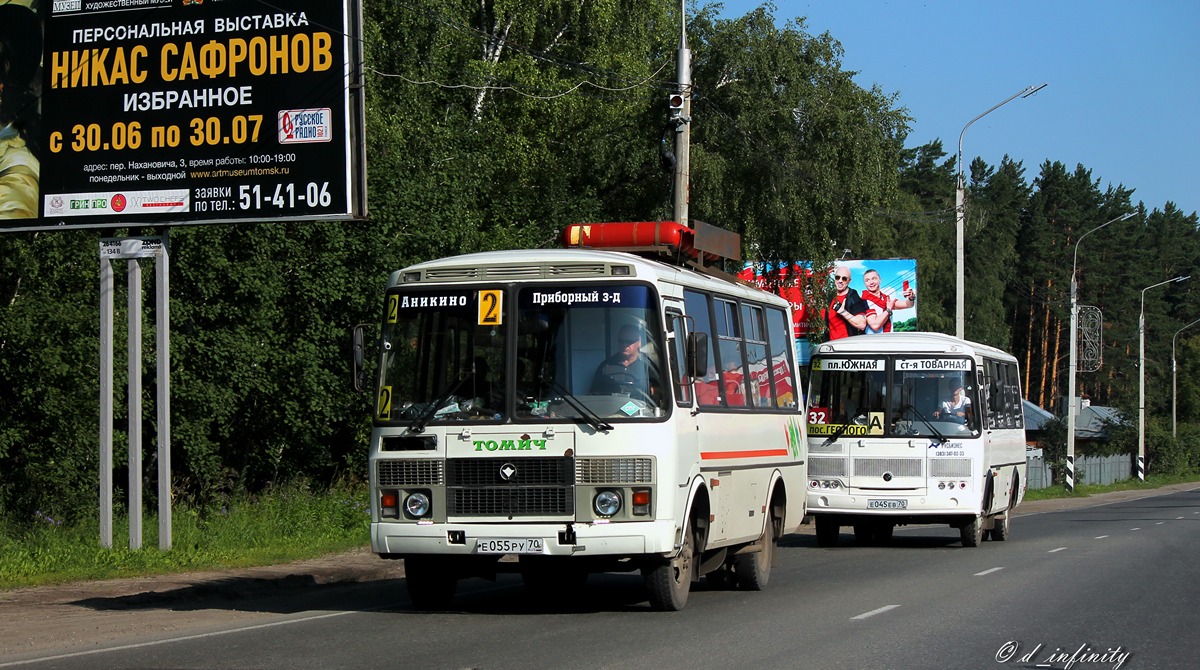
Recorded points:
1123,94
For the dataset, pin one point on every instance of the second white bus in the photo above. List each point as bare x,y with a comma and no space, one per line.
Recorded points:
914,428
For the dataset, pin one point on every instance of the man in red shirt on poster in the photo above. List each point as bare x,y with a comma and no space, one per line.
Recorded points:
847,313
879,318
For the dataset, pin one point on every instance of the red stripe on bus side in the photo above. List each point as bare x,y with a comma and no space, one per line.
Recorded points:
754,453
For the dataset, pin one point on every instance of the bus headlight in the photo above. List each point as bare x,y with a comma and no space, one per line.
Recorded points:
417,505
607,503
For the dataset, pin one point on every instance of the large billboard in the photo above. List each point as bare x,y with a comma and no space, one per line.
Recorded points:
164,112
853,297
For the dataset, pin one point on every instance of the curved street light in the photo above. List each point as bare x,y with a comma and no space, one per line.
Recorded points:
1141,459
1074,356
1173,397
960,205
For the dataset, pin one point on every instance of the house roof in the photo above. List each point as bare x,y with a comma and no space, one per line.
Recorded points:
1036,418
1089,421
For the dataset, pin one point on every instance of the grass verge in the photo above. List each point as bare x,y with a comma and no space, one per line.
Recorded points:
1085,490
276,527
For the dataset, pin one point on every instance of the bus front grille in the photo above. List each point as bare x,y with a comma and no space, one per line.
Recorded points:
950,467
819,466
400,473
614,471
531,486
509,502
876,467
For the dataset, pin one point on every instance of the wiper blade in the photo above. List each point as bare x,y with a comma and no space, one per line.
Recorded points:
418,426
835,435
588,415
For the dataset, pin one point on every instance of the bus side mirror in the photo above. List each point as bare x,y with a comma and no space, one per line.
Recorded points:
697,354
358,375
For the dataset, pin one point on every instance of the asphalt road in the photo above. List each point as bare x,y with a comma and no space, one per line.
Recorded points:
1113,584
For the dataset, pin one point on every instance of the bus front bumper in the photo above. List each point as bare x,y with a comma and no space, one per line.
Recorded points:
547,539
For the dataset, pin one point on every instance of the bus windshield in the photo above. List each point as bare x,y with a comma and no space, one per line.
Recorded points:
589,349
443,358
581,353
896,397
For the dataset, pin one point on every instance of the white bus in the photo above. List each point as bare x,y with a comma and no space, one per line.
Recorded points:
914,428
584,411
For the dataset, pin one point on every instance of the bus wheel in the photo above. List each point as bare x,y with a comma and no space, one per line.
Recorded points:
1000,528
431,585
1002,525
668,584
971,534
754,570
827,531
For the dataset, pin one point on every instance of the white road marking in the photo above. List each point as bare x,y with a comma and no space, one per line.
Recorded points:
987,572
872,613
1099,537
1055,550
1132,529
1160,523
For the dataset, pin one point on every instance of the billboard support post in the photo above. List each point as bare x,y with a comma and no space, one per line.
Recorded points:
133,249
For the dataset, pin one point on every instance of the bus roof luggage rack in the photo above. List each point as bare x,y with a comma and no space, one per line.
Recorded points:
703,247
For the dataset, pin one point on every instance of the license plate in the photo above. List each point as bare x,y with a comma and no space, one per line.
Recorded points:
887,504
492,545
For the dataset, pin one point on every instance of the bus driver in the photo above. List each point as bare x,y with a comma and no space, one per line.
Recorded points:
954,409
626,371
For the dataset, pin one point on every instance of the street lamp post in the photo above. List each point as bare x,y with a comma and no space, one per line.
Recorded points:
960,205
1173,397
1141,459
1074,356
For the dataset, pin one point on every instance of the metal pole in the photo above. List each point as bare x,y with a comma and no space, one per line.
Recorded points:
1074,355
134,347
683,132
1141,457
106,402
960,206
1070,479
960,213
163,336
1173,371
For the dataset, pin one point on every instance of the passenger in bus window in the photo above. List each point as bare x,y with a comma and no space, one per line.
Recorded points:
626,372
956,408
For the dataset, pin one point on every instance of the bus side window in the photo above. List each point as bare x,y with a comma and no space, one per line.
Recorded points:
733,355
1014,396
783,378
707,388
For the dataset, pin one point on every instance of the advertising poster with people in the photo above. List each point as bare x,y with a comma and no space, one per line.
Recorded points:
865,297
872,296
